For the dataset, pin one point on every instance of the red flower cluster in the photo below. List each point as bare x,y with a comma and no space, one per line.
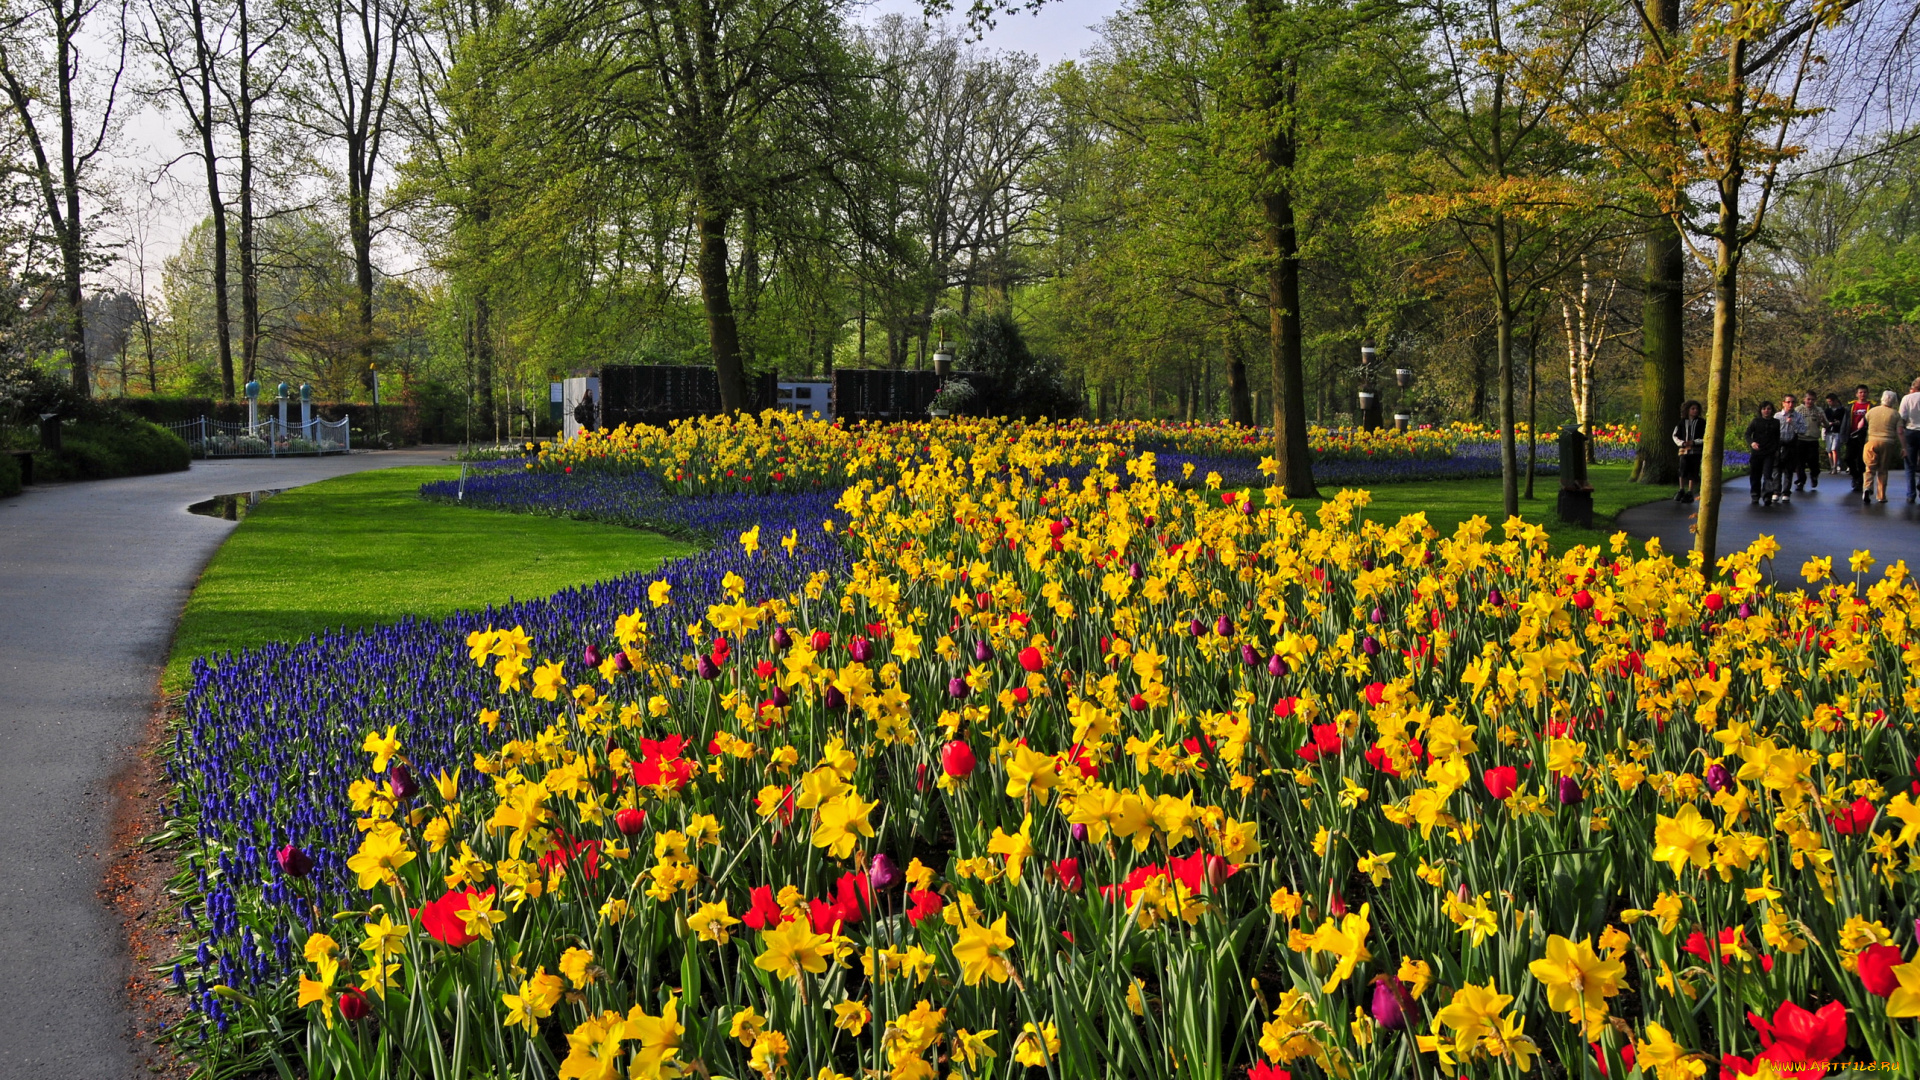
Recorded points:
1795,1037
1197,872
1326,740
851,898
566,850
1857,818
1732,941
441,918
660,764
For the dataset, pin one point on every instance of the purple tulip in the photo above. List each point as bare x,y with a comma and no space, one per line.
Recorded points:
1745,610
1223,626
708,669
781,639
1079,832
1718,777
1376,616
400,780
834,699
860,649
1366,563
1370,646
1134,571
1248,656
883,874
293,862
781,699
1570,793
982,652
957,688
1388,1008
590,656
1494,598
620,662
1276,666
1197,628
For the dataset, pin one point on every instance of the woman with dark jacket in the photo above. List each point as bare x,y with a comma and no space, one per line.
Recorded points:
1763,441
1688,435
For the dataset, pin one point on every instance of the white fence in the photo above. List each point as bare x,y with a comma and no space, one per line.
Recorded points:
210,438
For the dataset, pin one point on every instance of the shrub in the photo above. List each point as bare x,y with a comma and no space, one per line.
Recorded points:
106,448
9,475
1025,385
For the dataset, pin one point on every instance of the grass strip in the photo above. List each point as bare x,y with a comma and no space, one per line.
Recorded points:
366,549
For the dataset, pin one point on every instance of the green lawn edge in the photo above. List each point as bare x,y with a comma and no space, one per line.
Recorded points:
366,549
1448,503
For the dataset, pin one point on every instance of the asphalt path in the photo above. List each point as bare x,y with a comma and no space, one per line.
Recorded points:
92,580
1830,521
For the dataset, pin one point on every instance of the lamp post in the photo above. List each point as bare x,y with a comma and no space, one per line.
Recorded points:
1403,416
253,406
306,411
1369,388
284,389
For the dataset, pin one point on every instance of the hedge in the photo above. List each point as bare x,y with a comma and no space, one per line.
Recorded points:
103,449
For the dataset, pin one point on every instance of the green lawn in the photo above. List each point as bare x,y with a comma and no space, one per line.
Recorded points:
1449,502
365,549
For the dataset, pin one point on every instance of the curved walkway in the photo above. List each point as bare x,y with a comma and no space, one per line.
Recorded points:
92,579
1830,521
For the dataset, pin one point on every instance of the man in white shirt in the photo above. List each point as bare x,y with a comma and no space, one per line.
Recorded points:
1910,421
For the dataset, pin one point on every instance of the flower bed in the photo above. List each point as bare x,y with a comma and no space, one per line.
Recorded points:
1099,778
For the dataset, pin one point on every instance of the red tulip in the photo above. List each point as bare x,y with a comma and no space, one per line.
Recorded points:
1326,738
1501,780
630,821
1799,1037
1138,703
441,918
1583,600
1264,1070
1876,964
1068,871
820,640
1284,707
1031,659
353,1003
924,905
763,913
957,760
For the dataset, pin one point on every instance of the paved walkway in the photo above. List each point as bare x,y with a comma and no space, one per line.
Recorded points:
1830,521
92,579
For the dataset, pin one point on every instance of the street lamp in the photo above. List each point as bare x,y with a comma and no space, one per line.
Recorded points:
1403,416
1369,388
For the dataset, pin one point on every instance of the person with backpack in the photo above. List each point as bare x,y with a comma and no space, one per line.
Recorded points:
1689,435
1763,444
1786,465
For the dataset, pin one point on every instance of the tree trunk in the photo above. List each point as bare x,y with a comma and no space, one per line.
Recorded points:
1533,401
1663,373
360,233
72,242
1239,401
249,263
723,332
1290,447
1503,352
1726,296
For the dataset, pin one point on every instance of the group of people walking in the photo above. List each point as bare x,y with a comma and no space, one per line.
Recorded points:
1791,444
